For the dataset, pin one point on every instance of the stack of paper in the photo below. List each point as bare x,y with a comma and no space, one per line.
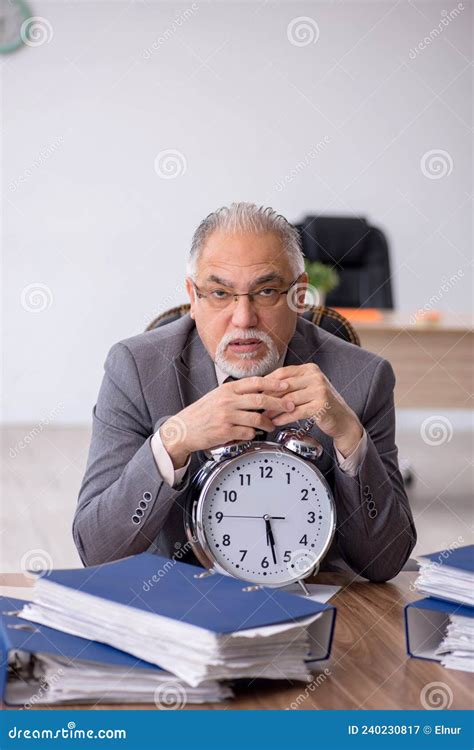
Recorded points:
457,647
448,574
197,627
441,626
41,665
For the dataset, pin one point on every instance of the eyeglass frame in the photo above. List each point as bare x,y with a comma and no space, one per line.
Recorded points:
250,295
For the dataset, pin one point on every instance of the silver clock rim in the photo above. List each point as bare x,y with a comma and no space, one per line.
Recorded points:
196,516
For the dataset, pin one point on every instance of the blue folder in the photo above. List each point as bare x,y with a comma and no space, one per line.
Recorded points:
461,558
216,602
18,634
426,621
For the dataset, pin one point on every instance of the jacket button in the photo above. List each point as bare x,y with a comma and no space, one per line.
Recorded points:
135,519
366,490
147,496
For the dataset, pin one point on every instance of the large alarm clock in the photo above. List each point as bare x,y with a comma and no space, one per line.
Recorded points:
262,511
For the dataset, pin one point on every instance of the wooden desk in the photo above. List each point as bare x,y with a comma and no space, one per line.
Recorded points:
432,362
368,669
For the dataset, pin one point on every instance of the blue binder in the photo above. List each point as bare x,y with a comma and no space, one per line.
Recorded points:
426,621
18,634
216,602
461,558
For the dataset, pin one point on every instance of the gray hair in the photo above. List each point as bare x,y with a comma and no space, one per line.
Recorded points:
247,217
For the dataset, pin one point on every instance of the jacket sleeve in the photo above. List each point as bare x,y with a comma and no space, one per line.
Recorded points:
123,500
375,529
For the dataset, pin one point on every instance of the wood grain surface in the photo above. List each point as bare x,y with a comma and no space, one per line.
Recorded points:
368,668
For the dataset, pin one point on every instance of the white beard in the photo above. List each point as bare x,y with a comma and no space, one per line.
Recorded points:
252,363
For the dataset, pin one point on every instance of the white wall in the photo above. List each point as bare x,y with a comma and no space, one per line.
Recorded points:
85,115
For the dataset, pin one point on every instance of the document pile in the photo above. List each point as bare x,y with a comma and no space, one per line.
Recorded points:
200,627
457,647
441,627
448,574
41,665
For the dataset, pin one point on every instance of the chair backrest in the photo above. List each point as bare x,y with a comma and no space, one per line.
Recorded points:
324,317
359,253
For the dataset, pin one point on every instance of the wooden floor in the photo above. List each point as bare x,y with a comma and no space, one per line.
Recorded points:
43,468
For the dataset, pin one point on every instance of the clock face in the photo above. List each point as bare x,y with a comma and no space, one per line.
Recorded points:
266,516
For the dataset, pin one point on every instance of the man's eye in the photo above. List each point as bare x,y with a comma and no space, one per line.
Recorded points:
220,294
267,292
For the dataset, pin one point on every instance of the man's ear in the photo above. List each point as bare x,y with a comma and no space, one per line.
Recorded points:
192,296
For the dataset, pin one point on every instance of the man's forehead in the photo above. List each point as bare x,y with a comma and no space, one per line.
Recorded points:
235,272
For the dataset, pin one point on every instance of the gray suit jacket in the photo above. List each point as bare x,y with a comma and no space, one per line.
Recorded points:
154,375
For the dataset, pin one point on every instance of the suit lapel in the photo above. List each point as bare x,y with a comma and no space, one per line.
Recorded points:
195,371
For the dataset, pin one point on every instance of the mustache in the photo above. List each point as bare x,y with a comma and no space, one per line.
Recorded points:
247,334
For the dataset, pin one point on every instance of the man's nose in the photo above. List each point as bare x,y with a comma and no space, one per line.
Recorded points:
243,313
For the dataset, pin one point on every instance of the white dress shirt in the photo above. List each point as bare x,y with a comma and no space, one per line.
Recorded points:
349,465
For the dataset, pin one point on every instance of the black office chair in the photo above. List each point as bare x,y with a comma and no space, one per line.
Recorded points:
359,253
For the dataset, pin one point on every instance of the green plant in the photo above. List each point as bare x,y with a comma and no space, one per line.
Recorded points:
323,277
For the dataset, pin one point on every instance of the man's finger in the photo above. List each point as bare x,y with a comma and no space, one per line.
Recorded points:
265,402
257,384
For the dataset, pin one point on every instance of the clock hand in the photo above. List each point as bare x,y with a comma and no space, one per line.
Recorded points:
273,518
270,537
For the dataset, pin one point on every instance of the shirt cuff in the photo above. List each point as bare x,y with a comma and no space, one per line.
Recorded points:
351,463
164,463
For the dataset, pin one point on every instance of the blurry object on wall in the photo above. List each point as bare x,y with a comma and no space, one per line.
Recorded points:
322,277
14,20
359,252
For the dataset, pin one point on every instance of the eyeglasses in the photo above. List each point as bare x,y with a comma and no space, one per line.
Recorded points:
218,299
